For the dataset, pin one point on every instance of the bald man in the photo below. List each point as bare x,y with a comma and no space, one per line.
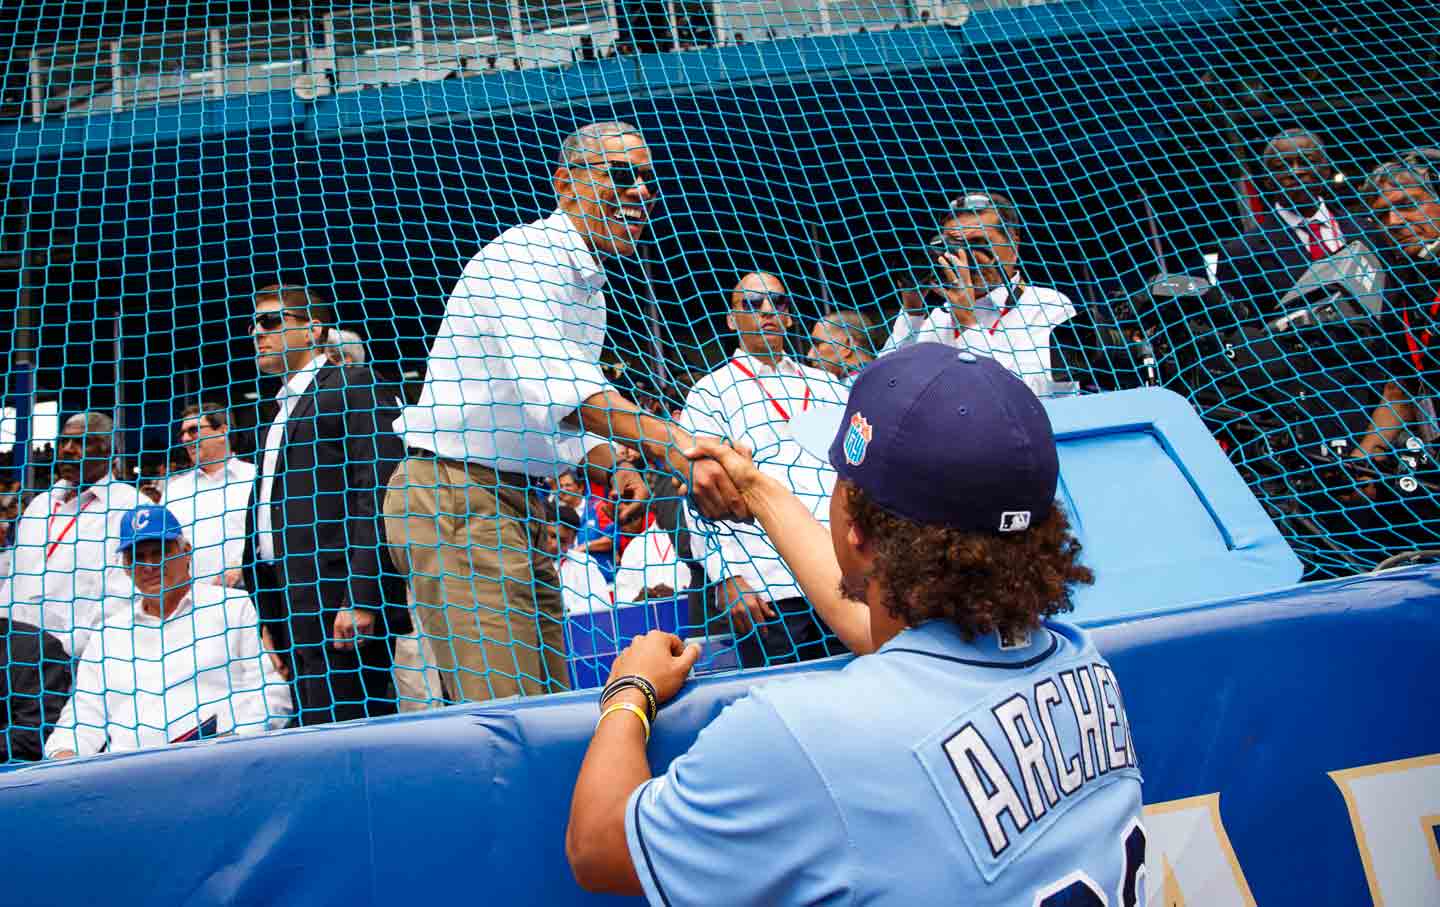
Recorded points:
67,566
750,400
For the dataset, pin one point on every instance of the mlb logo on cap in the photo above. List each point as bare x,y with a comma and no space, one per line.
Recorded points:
1015,521
857,439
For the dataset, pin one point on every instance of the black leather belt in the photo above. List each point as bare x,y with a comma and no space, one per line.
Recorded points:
518,480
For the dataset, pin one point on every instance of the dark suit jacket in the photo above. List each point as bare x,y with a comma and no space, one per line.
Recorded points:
1256,269
326,510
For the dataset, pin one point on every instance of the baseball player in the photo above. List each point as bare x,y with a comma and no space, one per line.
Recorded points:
977,753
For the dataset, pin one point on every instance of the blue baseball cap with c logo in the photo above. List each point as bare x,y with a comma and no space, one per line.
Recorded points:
149,522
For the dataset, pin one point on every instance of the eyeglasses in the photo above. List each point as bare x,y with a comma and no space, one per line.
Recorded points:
625,175
754,301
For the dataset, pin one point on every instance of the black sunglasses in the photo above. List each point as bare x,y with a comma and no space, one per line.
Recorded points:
273,321
625,176
754,301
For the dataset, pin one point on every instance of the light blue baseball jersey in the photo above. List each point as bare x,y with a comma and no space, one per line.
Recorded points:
935,770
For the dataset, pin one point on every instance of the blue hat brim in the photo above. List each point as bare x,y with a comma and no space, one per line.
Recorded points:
815,428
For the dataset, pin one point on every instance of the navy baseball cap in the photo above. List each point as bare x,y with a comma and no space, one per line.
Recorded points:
149,522
942,437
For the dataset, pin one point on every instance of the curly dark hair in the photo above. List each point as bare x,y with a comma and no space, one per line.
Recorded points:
981,582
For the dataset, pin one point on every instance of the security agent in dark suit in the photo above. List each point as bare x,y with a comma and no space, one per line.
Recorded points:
1301,223
326,592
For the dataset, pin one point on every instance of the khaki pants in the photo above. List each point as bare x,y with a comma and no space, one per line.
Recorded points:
492,613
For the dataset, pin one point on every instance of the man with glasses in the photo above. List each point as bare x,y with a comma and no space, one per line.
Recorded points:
64,571
989,307
840,344
177,660
1405,198
512,387
212,500
750,401
324,589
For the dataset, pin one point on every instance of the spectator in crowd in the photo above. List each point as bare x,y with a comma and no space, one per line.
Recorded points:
345,348
177,660
990,308
598,534
1298,224
1406,200
750,400
65,569
948,560
324,588
583,586
513,383
212,498
840,344
9,512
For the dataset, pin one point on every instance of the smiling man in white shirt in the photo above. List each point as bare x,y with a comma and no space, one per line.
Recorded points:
750,400
512,386
211,500
65,569
990,309
177,661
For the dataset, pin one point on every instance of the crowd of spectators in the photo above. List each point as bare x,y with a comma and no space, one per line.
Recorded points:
378,555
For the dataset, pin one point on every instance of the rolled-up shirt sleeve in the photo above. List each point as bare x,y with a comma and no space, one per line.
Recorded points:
744,812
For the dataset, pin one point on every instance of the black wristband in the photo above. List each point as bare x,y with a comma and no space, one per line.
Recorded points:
635,681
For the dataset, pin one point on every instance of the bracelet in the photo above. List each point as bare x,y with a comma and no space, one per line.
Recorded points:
633,681
630,707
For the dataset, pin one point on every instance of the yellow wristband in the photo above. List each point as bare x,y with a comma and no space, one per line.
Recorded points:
633,709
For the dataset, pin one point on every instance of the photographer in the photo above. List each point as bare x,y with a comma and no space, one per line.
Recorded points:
989,308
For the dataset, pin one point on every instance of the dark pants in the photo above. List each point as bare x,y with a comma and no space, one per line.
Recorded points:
339,684
35,678
330,684
797,634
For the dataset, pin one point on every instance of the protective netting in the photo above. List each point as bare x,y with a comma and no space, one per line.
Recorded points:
200,201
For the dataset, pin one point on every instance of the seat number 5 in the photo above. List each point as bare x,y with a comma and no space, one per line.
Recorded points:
1079,890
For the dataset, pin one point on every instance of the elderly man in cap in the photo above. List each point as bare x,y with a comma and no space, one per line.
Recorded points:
179,661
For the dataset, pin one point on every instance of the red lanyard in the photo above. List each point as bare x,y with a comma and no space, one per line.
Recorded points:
1418,346
994,327
804,404
68,526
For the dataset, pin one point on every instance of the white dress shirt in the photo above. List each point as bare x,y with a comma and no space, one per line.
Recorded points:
211,509
1018,337
755,411
1320,227
65,564
516,355
582,586
145,681
289,394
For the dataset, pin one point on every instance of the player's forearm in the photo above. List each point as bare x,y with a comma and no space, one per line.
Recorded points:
805,546
615,765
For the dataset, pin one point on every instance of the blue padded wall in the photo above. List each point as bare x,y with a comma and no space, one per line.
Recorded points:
1256,700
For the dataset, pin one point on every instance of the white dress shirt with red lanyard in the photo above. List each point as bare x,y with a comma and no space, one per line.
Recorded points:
65,564
1016,336
751,403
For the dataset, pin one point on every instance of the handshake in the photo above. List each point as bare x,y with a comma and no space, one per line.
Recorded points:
722,479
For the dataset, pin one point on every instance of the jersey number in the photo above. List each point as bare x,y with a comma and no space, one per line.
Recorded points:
1079,890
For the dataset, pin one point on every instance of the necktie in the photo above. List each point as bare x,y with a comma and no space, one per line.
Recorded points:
1318,249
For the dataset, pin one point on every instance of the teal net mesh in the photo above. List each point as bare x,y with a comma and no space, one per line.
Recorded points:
1101,195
